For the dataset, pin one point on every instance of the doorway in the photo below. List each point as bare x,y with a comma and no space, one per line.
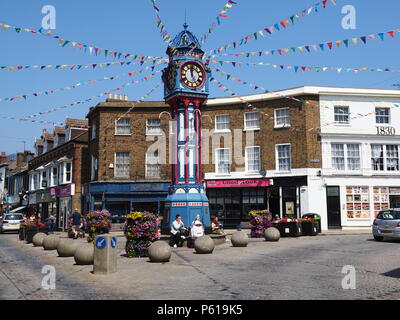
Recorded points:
333,207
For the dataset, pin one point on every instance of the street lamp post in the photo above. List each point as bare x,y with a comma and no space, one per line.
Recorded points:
8,190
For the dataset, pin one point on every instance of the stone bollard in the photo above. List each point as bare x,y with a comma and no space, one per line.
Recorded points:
67,247
159,251
105,254
240,239
84,255
38,239
50,242
272,234
204,245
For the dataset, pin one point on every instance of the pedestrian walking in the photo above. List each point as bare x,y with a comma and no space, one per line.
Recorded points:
77,222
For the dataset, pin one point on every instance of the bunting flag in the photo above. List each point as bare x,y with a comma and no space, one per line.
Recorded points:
92,66
303,68
146,78
166,37
253,86
77,85
279,26
77,45
217,21
326,46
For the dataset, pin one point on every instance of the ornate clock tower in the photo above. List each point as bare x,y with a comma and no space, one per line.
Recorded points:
185,90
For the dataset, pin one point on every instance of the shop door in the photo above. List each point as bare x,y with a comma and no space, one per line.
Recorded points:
333,207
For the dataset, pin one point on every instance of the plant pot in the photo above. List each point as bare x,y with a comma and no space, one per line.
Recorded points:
289,229
30,233
21,233
309,228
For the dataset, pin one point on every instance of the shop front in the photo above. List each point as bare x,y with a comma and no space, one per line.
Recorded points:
64,196
46,204
356,202
122,198
231,200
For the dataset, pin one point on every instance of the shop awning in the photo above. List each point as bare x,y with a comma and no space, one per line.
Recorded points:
19,209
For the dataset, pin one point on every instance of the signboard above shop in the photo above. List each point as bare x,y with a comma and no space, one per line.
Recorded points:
239,183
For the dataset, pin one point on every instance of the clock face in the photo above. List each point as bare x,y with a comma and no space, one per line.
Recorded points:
192,75
171,78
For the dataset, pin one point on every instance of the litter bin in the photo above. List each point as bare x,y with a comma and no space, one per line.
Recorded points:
317,218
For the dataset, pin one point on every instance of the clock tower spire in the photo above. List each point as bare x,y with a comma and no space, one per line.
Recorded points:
185,90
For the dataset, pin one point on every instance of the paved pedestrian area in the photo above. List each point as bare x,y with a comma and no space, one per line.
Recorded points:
293,268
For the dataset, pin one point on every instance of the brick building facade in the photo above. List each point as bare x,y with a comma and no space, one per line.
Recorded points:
125,145
58,172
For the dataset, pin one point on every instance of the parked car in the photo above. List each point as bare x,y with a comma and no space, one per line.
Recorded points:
387,225
11,222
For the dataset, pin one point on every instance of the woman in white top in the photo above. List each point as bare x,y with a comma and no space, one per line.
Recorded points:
197,228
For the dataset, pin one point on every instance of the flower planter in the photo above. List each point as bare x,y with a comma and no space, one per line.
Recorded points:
30,232
289,229
309,228
22,231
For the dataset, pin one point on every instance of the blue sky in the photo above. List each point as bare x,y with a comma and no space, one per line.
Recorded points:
129,26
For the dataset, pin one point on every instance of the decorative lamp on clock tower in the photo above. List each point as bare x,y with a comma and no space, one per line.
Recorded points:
185,90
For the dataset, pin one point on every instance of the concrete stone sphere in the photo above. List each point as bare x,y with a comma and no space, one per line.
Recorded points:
272,234
67,247
84,254
51,242
240,239
38,239
204,244
159,251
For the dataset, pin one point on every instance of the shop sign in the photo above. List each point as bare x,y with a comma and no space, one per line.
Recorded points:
238,183
63,191
150,187
44,197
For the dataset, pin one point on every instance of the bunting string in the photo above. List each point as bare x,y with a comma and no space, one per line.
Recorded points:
279,26
325,46
92,98
166,37
217,22
82,66
77,45
302,68
77,85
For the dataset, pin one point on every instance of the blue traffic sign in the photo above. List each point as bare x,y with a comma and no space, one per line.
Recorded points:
100,242
113,242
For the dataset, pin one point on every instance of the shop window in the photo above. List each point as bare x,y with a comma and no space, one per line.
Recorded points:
341,114
123,126
382,115
251,121
357,202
